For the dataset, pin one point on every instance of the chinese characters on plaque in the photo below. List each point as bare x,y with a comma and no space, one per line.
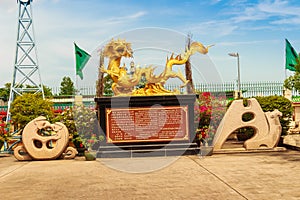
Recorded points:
156,123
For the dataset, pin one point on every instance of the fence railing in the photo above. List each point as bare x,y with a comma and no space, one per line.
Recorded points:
83,90
250,89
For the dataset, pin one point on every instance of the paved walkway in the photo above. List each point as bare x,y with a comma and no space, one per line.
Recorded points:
232,176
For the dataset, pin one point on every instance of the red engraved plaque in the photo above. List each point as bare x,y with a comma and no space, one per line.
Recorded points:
157,123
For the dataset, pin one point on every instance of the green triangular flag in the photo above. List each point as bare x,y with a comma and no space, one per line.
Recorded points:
290,56
82,58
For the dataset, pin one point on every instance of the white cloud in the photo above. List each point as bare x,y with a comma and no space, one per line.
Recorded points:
287,21
279,7
213,28
136,15
250,14
213,2
277,12
247,43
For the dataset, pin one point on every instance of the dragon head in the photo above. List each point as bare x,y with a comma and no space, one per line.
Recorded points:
117,49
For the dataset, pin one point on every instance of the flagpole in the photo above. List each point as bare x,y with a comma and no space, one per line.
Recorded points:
81,58
285,73
76,80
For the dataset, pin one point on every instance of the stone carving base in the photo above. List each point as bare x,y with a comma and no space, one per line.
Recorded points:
244,150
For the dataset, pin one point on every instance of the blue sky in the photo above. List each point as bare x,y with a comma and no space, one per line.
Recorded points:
254,29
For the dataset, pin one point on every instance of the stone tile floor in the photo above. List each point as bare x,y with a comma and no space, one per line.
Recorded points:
268,175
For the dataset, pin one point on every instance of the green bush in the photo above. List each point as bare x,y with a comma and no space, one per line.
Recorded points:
29,106
280,103
82,125
67,118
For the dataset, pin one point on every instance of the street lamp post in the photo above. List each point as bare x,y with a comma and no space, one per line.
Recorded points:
239,75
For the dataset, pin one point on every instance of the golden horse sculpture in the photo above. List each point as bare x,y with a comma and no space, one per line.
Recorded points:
123,84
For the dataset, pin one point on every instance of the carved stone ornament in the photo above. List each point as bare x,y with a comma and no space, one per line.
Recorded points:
266,125
44,141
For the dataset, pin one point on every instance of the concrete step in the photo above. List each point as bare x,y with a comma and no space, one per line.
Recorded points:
147,150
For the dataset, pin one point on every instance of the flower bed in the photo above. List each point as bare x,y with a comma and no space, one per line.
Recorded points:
209,111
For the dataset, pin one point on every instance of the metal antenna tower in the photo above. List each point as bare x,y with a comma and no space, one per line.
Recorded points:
26,75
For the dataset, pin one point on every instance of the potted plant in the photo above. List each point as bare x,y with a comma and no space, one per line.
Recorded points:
205,137
94,142
78,143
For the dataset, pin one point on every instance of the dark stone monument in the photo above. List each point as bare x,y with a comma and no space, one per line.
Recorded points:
140,121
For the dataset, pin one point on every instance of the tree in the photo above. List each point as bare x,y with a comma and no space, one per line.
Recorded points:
100,81
4,92
47,90
29,106
188,69
293,81
67,86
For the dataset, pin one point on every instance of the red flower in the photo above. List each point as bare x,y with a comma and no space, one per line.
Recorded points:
205,94
203,108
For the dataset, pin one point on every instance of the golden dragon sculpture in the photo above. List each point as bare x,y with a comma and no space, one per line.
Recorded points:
123,83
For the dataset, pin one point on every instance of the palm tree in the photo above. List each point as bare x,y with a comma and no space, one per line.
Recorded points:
188,69
99,83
